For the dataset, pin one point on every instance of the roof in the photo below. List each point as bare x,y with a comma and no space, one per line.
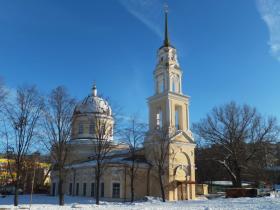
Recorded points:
115,158
94,104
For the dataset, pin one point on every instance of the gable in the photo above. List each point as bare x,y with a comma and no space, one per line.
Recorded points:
184,137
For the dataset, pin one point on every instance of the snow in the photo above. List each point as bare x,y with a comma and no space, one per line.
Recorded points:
224,183
45,202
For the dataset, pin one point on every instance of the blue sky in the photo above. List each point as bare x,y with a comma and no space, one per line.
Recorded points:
228,49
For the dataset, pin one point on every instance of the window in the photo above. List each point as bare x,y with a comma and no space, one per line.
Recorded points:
116,190
91,128
175,83
70,188
159,118
177,119
85,189
160,84
102,190
92,189
81,128
77,189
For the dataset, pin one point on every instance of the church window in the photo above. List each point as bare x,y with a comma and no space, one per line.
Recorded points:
91,128
177,119
178,114
85,189
116,190
159,118
160,84
70,188
175,83
81,128
92,189
102,190
77,189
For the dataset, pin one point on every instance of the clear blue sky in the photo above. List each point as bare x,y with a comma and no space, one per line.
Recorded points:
228,49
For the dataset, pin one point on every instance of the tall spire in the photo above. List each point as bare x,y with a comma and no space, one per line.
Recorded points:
166,38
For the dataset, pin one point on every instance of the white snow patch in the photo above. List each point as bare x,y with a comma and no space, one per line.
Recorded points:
44,202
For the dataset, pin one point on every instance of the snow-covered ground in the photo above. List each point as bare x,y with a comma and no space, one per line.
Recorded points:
48,202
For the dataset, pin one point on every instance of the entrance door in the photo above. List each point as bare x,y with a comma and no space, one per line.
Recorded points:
181,191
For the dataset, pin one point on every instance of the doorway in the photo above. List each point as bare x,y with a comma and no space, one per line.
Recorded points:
181,191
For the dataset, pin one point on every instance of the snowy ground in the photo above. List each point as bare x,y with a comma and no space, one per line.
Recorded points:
48,202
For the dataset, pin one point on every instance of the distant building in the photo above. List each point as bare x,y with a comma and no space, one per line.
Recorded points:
33,169
168,106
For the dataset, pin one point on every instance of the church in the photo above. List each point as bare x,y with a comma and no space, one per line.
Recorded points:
169,107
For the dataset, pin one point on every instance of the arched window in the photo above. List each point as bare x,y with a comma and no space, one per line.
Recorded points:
159,118
175,83
177,119
160,84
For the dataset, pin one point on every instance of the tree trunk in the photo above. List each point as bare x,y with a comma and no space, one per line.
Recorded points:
16,192
238,182
161,187
132,187
97,180
237,170
16,186
60,189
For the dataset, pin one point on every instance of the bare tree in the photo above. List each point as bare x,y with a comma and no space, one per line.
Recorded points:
23,115
103,145
159,140
133,135
239,132
57,126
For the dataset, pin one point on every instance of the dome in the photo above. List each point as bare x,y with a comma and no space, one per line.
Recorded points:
93,104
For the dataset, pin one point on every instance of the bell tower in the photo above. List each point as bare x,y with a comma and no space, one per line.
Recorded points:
169,109
168,106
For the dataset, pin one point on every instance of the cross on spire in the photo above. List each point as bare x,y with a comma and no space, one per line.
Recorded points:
94,90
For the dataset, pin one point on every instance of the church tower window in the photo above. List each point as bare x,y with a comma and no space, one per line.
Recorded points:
159,118
178,116
160,84
173,85
177,119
